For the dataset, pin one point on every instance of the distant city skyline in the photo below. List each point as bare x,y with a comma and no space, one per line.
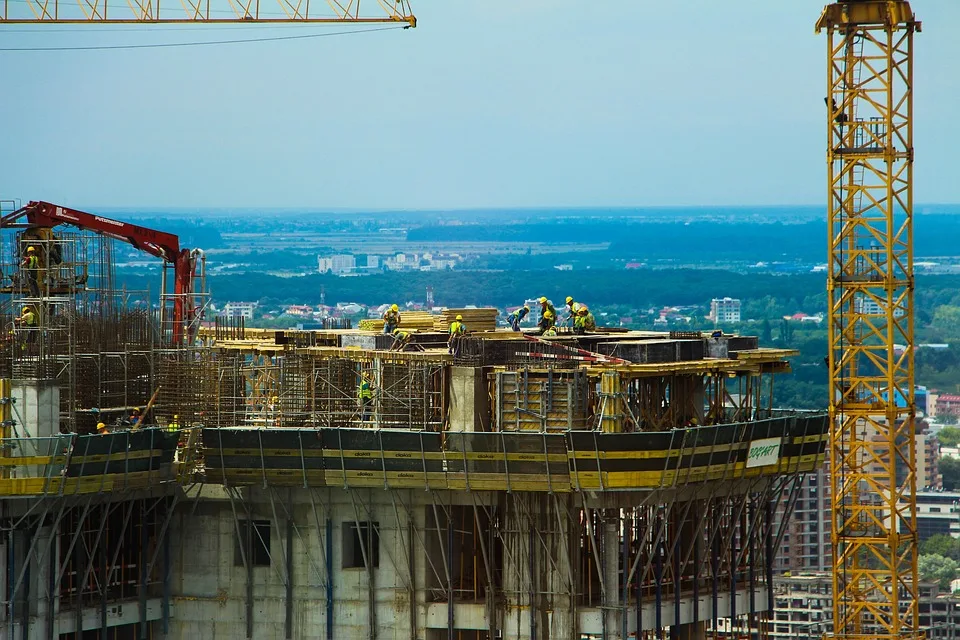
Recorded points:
501,104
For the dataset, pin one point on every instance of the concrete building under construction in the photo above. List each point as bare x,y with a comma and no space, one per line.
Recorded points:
612,485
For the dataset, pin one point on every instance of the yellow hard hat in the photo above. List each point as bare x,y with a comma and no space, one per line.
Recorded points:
526,307
569,299
397,332
101,426
394,308
547,314
459,317
543,300
30,249
582,310
176,417
136,409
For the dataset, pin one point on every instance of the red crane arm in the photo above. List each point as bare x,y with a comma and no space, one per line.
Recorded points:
158,243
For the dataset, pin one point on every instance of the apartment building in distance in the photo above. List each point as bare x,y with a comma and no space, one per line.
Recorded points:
725,310
804,604
239,309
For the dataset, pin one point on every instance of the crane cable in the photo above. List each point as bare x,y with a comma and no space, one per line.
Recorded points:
205,43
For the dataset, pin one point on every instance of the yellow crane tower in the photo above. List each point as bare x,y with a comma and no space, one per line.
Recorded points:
870,290
870,285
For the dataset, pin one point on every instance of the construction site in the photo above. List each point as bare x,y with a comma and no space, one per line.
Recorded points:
597,485
168,474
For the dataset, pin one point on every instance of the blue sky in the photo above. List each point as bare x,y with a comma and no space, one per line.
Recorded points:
519,103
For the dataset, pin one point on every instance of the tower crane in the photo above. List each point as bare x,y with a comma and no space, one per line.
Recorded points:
870,291
870,284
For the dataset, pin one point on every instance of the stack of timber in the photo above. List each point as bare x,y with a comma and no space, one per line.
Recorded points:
475,319
409,320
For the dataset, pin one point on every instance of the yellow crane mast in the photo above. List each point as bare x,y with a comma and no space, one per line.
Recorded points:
206,11
870,296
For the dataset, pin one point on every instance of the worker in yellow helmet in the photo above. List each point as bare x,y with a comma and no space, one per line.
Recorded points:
365,399
546,306
391,319
457,331
102,429
572,308
30,266
517,317
584,321
401,339
547,321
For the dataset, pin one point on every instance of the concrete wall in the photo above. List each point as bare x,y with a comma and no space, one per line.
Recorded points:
407,599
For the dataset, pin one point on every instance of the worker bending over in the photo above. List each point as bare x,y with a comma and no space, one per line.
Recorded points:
391,319
457,331
584,321
547,321
517,317
401,339
546,305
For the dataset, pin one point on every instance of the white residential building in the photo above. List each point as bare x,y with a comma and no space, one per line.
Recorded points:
725,310
239,309
339,264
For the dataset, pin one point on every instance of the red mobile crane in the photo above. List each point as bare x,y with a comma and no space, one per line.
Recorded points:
157,243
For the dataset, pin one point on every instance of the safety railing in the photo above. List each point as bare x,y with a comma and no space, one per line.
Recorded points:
70,464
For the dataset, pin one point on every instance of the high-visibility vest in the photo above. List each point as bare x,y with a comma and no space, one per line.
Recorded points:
364,392
31,262
29,318
457,328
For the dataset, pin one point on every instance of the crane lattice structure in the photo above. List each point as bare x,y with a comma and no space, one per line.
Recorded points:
207,11
870,296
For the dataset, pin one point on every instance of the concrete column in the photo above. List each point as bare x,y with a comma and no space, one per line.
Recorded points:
558,535
612,613
45,609
516,571
36,408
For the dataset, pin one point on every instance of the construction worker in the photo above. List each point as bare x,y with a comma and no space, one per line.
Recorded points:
102,429
457,331
550,332
133,417
547,320
364,399
546,305
517,317
401,339
584,321
572,308
174,425
30,265
28,322
391,319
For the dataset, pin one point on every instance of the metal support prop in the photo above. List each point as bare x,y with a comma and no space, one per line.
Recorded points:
329,559
144,541
288,619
